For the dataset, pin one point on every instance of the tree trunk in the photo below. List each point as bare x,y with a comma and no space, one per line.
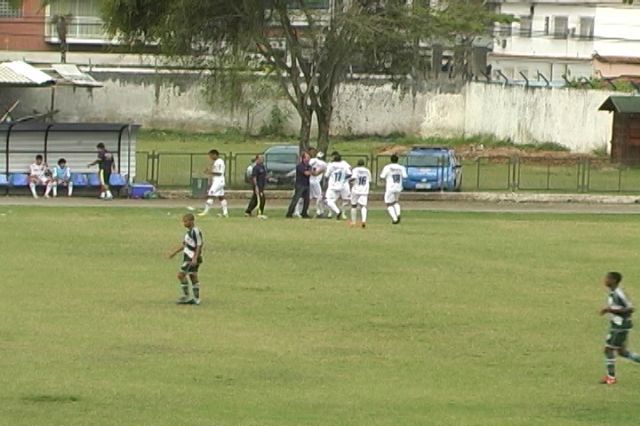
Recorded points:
324,127
306,115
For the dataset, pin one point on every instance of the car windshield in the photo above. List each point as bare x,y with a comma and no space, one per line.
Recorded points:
427,160
282,158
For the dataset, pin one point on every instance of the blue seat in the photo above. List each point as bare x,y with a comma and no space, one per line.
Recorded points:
94,179
19,179
3,180
117,179
79,179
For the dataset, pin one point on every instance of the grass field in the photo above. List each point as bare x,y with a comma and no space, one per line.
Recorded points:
449,318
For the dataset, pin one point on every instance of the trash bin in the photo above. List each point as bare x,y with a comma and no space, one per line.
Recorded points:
199,187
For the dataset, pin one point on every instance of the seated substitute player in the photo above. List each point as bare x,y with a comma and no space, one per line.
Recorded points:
393,174
361,180
338,173
191,248
619,309
61,177
217,184
38,175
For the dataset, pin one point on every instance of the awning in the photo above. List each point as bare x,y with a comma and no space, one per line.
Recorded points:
71,74
21,74
623,104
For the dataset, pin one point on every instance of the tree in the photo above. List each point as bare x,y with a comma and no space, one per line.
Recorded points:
234,38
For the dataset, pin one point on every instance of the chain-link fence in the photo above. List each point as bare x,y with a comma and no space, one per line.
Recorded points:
179,170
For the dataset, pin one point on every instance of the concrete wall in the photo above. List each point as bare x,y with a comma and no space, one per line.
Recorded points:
566,116
569,117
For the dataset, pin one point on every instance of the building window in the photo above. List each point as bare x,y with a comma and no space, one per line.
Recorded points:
546,25
586,27
7,11
525,26
505,29
560,26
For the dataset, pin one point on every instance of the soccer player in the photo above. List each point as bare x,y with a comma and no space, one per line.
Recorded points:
106,165
191,248
361,179
38,175
619,309
338,172
259,181
318,168
61,177
393,174
217,185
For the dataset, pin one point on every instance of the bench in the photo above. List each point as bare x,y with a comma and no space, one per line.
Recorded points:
87,183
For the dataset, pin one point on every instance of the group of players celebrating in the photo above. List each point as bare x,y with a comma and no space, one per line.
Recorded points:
332,187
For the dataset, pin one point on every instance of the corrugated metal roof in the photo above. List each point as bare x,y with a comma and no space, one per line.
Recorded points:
71,74
18,73
624,104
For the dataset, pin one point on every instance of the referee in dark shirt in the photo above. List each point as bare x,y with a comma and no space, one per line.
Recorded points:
303,171
259,180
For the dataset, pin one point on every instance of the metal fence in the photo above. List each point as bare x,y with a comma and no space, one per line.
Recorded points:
179,170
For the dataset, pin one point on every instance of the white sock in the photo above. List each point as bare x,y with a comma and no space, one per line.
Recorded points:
396,206
332,205
363,213
109,195
70,191
225,209
319,207
32,187
103,194
48,190
392,213
298,210
208,205
354,215
55,190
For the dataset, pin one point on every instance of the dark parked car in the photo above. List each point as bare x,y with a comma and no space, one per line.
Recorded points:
280,162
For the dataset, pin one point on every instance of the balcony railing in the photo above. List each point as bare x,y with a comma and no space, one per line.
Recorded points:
81,29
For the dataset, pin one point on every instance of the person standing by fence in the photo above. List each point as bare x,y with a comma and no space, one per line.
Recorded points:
217,185
303,172
258,180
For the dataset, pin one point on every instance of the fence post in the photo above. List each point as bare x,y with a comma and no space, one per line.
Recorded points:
619,178
478,174
548,176
515,163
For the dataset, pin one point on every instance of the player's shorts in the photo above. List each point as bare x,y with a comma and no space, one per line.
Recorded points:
358,199
315,190
617,338
217,188
188,268
105,175
391,197
41,179
335,194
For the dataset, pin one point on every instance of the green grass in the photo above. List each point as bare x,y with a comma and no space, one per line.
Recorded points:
450,318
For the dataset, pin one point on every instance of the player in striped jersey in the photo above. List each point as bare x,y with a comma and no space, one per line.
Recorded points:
619,309
191,248
360,179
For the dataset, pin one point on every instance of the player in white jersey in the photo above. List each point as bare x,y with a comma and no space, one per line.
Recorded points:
361,180
38,174
338,172
318,168
393,174
217,184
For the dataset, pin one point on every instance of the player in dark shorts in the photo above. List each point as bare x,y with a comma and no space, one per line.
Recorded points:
106,165
620,309
191,248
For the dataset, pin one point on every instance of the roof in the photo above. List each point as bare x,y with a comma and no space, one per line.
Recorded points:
631,60
32,126
21,74
623,104
71,74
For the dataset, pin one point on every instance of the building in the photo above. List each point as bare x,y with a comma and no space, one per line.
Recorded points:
32,27
563,39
